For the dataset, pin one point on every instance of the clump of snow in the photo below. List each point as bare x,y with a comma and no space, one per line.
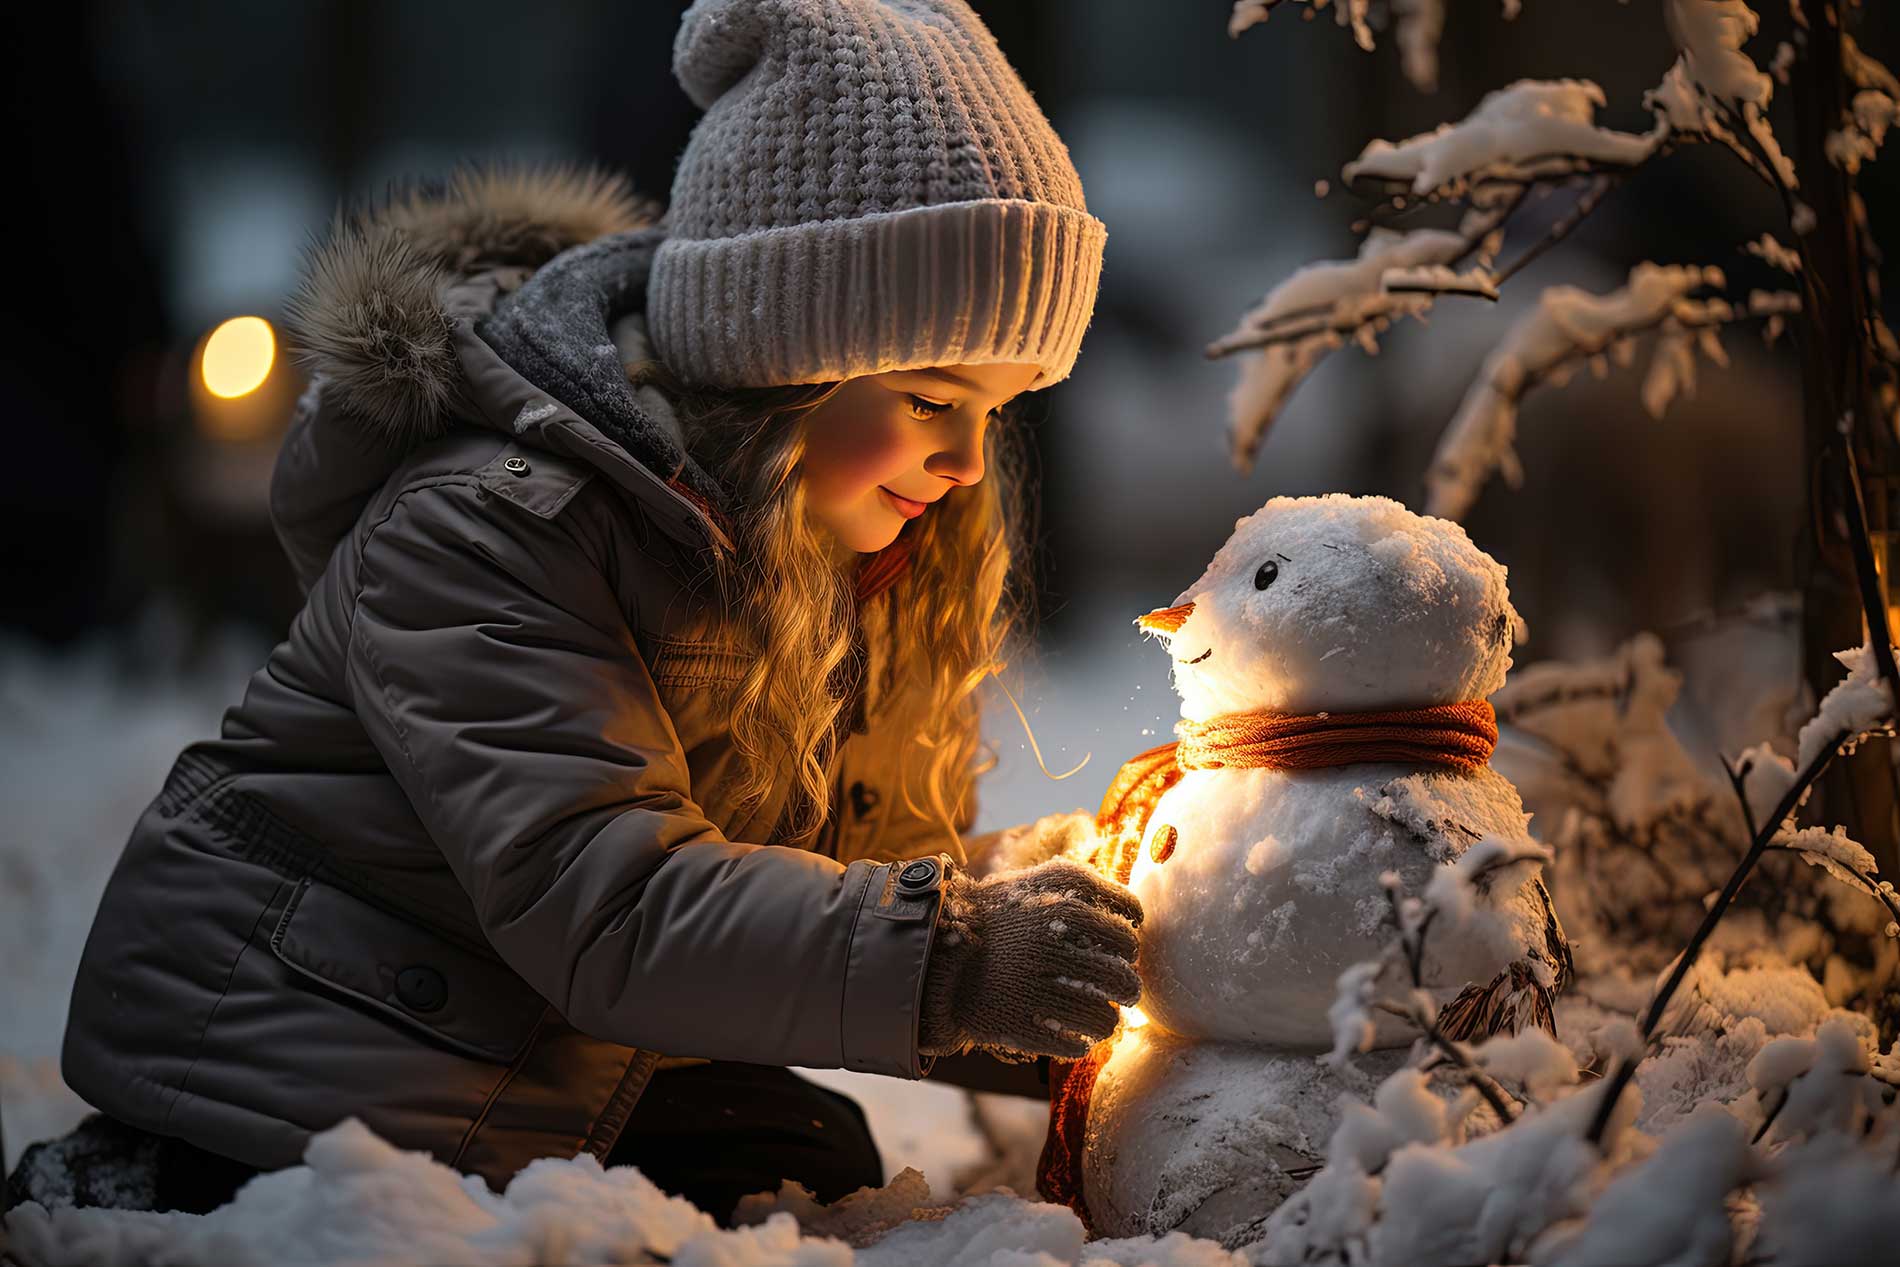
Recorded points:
1766,777
1351,1012
1819,1085
1670,1209
1526,137
1870,115
1420,23
1768,247
1451,889
1517,133
1859,705
1831,1204
1531,1058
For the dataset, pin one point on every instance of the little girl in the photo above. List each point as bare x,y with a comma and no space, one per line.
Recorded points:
620,753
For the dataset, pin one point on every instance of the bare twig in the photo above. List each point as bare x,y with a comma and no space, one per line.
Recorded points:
1453,1054
1735,780
1563,227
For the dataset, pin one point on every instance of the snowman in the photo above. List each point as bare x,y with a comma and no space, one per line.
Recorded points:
1333,664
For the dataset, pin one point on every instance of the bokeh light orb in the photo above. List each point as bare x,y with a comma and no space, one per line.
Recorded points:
238,356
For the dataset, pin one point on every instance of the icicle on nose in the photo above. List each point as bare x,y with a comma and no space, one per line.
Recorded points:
1166,620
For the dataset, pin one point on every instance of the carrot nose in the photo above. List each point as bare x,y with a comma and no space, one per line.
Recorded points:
1166,619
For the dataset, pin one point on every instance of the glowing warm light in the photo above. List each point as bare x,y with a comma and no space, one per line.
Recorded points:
238,356
1133,1017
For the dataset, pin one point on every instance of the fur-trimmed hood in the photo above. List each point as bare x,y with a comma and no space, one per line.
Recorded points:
370,314
494,299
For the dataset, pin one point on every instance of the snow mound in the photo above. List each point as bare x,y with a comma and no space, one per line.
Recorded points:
359,1200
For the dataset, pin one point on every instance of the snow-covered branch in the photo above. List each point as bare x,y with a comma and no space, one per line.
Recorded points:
1570,328
1419,25
1530,134
1715,91
1844,859
1316,310
1348,13
1531,131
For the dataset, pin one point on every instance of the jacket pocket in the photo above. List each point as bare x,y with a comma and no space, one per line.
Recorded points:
467,1001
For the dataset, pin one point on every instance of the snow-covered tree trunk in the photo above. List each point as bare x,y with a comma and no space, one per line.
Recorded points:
1837,353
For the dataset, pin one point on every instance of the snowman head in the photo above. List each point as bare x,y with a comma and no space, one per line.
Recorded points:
1339,604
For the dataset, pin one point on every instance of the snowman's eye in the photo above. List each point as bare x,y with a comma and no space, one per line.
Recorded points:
1268,573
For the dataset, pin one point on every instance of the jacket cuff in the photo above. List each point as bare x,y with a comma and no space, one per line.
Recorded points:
884,970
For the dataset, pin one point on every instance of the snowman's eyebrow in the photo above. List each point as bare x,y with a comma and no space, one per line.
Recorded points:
1281,557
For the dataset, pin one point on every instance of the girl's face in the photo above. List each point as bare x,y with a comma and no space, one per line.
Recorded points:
884,447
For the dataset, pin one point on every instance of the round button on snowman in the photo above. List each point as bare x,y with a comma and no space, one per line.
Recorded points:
1333,664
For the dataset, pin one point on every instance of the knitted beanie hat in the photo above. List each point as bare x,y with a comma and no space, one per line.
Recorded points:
872,188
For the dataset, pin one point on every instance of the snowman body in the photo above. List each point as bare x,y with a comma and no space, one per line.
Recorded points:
1272,889
1259,886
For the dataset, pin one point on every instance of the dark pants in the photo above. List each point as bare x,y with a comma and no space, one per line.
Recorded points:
713,1133
709,1133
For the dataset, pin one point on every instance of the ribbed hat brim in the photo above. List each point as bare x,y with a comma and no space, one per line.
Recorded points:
963,283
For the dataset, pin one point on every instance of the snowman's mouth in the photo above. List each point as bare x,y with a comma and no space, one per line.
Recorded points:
1197,659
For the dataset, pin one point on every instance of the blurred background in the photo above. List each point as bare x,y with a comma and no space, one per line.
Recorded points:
172,161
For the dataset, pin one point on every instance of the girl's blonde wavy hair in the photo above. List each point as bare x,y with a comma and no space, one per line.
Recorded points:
931,638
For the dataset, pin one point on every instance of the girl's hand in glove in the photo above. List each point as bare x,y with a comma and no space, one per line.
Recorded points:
1030,963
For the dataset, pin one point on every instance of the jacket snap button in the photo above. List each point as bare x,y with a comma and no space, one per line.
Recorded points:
421,989
1161,848
515,466
918,877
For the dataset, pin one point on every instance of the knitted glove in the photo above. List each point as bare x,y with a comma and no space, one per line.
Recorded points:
1030,963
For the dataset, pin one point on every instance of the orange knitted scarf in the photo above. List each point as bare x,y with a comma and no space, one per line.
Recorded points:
1460,735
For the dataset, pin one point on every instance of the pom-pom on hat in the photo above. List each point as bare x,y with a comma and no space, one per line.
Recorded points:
872,188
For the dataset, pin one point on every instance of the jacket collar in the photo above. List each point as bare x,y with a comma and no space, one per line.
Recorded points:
489,299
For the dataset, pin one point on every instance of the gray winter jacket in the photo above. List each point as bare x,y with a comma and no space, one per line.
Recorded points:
464,860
